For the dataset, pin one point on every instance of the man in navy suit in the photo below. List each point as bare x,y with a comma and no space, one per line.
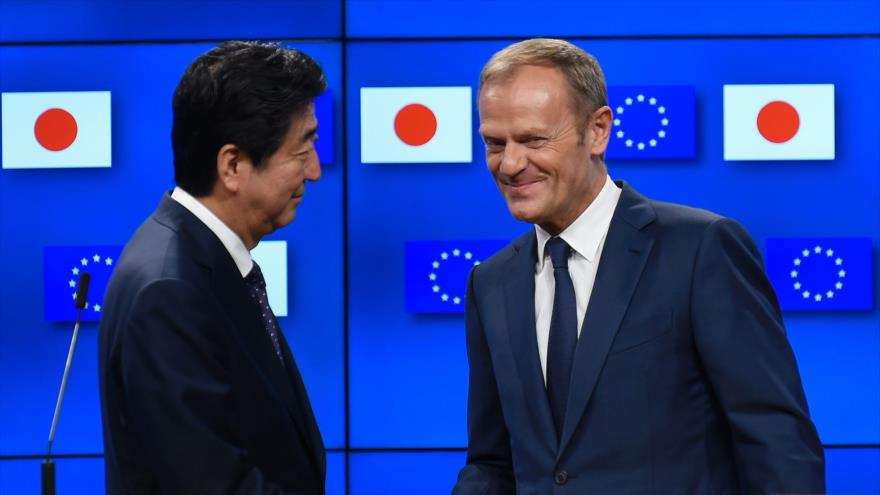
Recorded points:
623,345
199,390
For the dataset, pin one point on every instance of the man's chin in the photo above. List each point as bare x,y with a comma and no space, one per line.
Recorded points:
285,219
523,214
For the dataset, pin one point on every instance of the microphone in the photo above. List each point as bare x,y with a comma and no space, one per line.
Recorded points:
82,292
48,467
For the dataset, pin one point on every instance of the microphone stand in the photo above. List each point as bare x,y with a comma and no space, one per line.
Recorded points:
48,467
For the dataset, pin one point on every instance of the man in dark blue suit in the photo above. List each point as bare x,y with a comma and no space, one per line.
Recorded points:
623,345
199,390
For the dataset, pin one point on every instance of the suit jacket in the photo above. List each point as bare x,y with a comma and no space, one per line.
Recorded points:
683,379
193,396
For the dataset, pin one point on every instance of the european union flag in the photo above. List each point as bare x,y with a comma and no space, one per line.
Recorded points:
62,267
821,273
652,122
437,272
324,114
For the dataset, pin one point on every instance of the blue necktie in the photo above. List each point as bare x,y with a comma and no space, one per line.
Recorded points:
257,285
563,333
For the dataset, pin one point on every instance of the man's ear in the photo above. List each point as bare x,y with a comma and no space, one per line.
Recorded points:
233,167
599,129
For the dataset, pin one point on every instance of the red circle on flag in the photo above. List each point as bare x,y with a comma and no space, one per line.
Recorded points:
778,122
55,129
415,124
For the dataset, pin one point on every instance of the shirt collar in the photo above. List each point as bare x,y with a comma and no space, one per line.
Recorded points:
228,238
585,234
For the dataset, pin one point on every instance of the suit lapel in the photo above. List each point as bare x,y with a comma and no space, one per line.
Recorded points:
626,250
519,301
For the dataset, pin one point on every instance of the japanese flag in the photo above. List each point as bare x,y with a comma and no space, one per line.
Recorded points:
56,130
779,122
416,125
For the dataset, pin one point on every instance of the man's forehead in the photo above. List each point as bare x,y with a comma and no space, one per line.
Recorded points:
504,107
528,90
305,119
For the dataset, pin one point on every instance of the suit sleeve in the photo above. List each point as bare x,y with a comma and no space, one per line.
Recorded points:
489,469
742,343
176,394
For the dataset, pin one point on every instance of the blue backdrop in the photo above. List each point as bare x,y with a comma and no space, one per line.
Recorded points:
391,403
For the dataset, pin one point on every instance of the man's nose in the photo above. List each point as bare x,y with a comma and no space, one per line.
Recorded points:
513,160
313,167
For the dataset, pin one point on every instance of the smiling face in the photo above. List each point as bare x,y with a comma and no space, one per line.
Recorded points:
546,162
271,194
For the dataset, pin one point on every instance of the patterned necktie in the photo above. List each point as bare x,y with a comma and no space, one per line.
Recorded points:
257,285
563,333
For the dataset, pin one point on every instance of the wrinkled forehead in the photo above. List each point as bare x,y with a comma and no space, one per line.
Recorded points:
528,85
528,99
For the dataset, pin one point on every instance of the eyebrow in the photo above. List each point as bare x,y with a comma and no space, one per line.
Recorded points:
517,136
485,133
530,132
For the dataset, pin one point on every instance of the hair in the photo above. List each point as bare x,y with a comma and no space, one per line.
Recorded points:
585,78
241,93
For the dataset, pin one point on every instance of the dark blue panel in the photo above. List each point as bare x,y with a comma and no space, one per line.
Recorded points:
83,476
100,20
852,471
408,372
480,18
104,206
404,473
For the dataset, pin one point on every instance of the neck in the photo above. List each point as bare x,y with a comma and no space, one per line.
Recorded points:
226,210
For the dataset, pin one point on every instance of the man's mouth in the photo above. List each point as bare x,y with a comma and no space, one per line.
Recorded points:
521,187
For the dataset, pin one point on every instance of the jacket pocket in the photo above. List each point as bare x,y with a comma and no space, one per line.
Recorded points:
642,330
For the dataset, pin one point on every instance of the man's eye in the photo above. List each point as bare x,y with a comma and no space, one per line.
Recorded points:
305,153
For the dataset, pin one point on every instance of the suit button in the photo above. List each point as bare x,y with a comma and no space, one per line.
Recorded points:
560,477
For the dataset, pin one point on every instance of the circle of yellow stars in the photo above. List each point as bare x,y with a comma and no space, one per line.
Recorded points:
84,263
435,267
641,99
818,252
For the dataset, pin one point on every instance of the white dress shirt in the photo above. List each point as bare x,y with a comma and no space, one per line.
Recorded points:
228,238
586,236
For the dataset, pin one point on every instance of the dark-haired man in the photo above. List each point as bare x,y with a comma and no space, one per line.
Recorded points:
199,390
623,345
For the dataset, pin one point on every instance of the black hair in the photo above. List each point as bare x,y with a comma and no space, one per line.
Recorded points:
241,93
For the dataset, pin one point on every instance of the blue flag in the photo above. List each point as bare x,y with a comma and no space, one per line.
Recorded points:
652,122
437,271
324,114
62,268
821,273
